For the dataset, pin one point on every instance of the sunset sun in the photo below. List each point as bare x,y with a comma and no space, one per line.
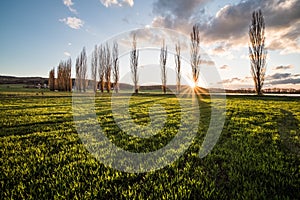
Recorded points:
193,85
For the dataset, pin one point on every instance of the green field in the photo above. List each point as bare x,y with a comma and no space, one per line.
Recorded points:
42,156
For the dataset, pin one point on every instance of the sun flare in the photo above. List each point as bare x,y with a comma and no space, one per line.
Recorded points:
193,85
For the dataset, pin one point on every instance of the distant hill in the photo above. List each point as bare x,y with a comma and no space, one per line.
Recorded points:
23,80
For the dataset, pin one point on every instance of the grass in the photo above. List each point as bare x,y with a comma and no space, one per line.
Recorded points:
42,156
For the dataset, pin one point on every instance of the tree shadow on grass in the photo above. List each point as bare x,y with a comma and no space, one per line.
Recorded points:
43,126
288,127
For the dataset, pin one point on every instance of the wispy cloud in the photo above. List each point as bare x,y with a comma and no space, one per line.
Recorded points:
225,67
67,54
69,4
108,3
207,62
73,22
247,80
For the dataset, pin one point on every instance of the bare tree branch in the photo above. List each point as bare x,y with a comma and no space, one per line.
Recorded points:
81,71
134,57
94,67
52,79
116,71
163,62
83,64
101,67
195,53
257,51
178,67
108,68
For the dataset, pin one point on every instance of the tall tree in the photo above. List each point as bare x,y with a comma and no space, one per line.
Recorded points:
68,78
60,78
178,67
64,75
83,58
94,67
101,67
195,53
78,74
257,51
108,68
81,71
52,79
116,71
163,62
134,57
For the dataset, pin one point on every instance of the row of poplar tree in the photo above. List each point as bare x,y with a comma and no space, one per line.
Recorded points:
63,82
105,67
105,63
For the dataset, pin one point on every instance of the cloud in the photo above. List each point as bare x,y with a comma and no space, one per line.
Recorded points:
282,78
73,22
278,76
207,62
67,54
275,80
286,81
237,80
129,2
69,4
176,14
177,8
224,67
108,3
219,50
284,67
231,23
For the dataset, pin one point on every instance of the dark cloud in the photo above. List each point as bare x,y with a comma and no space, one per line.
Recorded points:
282,78
278,76
275,79
177,9
231,23
286,81
177,14
284,67
281,13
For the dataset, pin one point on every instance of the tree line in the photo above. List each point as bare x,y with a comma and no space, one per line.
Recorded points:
63,82
105,72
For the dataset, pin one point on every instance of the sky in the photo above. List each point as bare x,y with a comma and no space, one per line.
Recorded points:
36,35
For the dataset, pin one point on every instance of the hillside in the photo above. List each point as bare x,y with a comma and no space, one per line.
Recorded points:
23,80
